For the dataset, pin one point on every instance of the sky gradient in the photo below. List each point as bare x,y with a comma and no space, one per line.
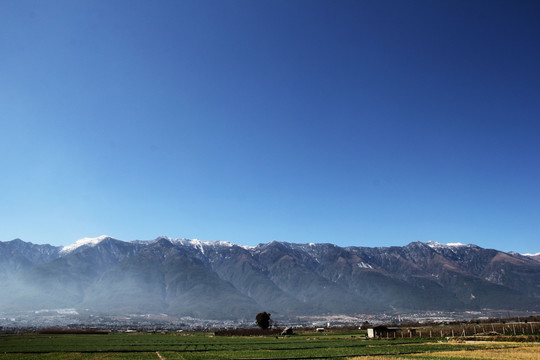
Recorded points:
366,123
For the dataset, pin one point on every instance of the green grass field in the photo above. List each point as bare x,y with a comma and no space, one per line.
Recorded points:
141,346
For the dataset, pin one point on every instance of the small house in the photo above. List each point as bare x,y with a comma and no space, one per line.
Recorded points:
382,331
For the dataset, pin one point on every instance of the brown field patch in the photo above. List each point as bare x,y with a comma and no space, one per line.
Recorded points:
514,351
521,352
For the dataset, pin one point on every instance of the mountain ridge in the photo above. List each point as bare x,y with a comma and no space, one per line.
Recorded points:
222,280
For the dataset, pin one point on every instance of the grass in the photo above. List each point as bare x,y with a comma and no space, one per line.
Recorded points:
203,346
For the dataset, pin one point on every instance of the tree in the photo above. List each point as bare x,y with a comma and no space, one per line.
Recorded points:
263,320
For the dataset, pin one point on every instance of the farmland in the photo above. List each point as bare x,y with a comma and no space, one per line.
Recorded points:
187,346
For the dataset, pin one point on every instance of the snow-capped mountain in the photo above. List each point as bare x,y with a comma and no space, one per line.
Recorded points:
533,256
222,280
84,242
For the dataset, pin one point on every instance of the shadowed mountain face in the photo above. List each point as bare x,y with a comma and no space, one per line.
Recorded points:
216,280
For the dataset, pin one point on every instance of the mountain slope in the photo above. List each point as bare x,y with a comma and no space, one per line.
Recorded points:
218,280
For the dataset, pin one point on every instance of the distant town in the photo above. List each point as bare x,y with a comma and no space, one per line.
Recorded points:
72,319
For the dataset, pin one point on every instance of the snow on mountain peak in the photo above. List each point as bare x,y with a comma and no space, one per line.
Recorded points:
434,244
83,242
199,244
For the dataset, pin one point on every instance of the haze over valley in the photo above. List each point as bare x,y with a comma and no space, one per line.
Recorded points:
223,281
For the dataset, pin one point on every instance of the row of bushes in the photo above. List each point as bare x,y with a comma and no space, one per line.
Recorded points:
73,331
248,332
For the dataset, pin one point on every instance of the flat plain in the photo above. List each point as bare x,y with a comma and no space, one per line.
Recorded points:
188,346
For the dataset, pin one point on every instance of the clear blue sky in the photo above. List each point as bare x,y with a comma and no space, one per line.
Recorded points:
369,123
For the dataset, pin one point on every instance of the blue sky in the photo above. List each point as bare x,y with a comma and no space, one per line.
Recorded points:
368,123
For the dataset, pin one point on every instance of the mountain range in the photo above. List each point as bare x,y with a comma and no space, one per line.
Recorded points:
221,280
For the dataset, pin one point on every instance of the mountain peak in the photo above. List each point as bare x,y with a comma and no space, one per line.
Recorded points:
163,237
434,244
84,242
19,242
